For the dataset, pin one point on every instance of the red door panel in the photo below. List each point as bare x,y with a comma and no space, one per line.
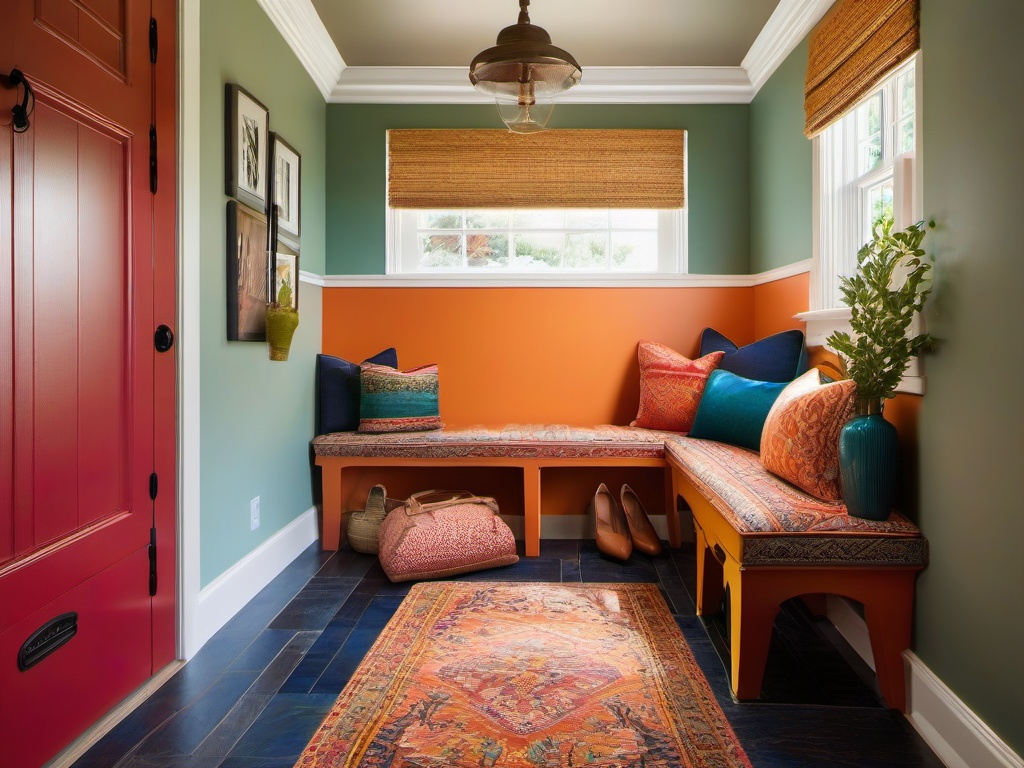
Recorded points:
87,272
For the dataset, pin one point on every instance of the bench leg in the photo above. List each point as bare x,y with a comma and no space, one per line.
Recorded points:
330,528
531,509
709,577
675,535
752,610
889,614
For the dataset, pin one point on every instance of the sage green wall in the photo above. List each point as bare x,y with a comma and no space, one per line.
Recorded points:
970,611
780,169
256,416
718,169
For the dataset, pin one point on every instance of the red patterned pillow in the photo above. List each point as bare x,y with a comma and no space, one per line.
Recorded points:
670,386
800,440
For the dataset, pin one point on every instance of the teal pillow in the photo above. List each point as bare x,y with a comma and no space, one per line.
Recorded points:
733,409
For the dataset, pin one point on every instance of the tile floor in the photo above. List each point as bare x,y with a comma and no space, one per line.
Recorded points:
252,697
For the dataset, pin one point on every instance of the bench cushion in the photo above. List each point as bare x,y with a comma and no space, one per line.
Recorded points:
521,441
782,525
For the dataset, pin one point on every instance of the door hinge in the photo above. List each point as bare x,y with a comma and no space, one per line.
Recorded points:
154,482
154,41
152,159
152,562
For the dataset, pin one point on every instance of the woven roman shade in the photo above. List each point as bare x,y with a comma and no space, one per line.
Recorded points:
851,50
554,169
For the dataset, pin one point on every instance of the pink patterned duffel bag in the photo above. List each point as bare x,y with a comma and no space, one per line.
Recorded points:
443,533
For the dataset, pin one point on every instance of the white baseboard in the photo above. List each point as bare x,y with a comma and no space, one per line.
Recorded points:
958,736
228,593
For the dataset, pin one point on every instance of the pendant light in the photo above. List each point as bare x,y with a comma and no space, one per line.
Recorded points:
523,72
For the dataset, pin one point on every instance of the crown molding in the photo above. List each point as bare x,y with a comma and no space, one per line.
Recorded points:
786,27
301,27
601,85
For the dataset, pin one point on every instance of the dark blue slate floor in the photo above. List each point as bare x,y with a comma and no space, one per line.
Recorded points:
256,692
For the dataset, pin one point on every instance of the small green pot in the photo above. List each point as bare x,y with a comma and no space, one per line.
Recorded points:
868,463
281,325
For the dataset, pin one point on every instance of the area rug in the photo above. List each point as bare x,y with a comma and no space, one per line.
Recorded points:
524,674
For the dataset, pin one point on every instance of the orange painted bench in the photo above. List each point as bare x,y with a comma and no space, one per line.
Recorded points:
530,448
767,541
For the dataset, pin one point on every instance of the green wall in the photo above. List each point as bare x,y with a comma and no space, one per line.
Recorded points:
718,168
970,614
780,169
256,416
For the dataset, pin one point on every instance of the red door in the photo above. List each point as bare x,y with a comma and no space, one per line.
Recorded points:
87,423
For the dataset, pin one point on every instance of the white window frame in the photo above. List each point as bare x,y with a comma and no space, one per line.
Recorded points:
836,241
403,255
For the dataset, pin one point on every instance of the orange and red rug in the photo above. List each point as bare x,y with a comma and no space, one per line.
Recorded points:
527,675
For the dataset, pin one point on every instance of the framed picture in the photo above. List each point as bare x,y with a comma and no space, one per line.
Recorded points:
285,174
247,273
246,147
286,271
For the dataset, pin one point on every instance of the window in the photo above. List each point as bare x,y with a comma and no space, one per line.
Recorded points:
865,170
537,241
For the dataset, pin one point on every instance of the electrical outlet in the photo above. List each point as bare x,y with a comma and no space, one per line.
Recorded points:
254,514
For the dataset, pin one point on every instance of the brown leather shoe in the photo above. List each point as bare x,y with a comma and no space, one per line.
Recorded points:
644,537
611,531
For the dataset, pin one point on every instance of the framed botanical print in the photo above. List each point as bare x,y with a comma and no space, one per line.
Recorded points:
285,177
248,273
247,148
285,271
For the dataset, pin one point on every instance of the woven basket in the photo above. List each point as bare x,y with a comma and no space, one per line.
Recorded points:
364,525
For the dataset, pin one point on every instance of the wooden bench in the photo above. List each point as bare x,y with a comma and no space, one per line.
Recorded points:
766,541
529,448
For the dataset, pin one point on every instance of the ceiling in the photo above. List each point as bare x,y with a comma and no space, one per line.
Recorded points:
598,33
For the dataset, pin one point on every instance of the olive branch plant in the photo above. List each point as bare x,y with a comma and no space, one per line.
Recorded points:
890,286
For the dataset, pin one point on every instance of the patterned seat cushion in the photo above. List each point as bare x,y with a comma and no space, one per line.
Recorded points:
780,524
519,441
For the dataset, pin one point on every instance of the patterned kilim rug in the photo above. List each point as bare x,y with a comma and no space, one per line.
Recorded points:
504,674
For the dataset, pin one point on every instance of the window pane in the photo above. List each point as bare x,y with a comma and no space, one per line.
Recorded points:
585,251
538,251
635,251
906,132
586,218
879,203
486,219
484,250
905,88
539,219
441,251
439,219
626,218
869,133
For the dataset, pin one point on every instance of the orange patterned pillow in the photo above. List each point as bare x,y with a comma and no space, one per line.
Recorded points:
670,387
800,440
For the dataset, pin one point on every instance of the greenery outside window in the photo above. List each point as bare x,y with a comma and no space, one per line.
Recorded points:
576,241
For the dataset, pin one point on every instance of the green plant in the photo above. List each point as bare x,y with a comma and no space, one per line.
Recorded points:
890,286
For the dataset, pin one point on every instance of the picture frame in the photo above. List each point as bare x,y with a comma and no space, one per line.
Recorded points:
285,177
248,273
286,269
246,147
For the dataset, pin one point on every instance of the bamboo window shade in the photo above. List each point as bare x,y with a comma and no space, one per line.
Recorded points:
851,50
577,168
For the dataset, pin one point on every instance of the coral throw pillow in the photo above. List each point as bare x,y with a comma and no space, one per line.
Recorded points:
670,387
398,401
800,440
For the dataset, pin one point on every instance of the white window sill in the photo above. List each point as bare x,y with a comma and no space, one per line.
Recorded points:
822,323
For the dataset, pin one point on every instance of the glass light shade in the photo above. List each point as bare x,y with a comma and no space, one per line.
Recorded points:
525,118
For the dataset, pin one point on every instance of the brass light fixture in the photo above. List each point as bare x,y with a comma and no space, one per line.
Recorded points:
523,72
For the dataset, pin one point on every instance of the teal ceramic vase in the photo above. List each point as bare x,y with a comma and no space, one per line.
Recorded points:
868,459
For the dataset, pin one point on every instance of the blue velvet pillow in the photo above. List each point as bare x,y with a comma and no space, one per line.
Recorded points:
781,357
337,390
733,409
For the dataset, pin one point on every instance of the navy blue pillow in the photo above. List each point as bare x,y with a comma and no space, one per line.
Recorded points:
337,390
733,409
781,357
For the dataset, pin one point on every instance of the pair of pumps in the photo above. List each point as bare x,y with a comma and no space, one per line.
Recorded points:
621,528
